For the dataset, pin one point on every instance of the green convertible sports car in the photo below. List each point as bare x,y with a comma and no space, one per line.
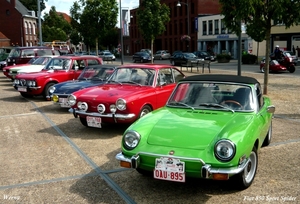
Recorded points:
211,127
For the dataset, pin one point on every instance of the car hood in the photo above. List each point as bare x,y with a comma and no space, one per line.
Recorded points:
75,85
31,68
34,75
196,129
111,92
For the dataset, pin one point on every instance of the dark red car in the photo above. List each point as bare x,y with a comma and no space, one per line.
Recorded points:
59,69
130,93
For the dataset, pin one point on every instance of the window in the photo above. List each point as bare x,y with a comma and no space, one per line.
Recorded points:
26,28
217,27
210,27
204,30
259,95
223,29
92,62
29,28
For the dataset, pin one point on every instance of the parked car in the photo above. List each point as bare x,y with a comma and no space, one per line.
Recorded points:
93,75
21,55
37,65
204,55
141,57
4,52
107,56
185,58
162,54
59,69
132,92
211,127
293,56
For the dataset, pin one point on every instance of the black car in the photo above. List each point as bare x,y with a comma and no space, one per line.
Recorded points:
93,75
204,55
141,57
185,58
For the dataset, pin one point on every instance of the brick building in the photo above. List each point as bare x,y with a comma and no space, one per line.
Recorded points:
176,27
18,23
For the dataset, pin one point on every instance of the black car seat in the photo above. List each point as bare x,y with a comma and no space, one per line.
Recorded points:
242,95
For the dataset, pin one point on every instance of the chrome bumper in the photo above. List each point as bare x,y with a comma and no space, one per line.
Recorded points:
206,170
108,115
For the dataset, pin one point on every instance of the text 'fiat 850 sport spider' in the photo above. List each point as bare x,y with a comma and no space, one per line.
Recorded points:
211,127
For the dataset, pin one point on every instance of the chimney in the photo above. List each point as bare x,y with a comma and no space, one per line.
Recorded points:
13,3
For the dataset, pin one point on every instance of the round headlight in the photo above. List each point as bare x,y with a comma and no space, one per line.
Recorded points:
16,81
101,108
72,100
113,108
121,104
52,89
224,150
131,139
55,98
82,106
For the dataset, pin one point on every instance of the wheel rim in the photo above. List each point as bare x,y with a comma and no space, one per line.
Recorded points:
249,171
144,112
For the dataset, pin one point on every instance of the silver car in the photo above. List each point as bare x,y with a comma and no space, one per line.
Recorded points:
162,54
107,56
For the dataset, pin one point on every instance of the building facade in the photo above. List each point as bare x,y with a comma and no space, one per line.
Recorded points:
183,21
214,36
18,23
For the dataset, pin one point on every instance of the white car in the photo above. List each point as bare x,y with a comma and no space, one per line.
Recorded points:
107,56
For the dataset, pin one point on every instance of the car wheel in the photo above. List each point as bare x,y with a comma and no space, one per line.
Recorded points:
144,172
25,95
46,90
145,110
246,177
83,121
268,138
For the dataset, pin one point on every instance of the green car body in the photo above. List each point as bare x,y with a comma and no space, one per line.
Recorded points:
190,133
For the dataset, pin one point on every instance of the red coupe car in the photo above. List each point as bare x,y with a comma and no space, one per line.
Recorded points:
130,93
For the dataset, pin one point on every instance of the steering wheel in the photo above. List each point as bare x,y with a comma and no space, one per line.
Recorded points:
232,101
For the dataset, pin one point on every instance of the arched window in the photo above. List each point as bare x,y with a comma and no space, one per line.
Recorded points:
34,28
30,28
26,28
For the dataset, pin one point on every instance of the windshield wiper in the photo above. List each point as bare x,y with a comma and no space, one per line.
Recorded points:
112,81
180,103
216,105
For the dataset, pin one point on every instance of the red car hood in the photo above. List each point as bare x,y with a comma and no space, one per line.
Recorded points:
111,92
34,75
195,130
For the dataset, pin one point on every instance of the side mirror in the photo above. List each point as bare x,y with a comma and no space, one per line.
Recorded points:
271,109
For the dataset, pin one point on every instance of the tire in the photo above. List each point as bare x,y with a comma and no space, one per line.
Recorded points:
46,90
246,177
25,95
268,138
145,110
292,69
83,121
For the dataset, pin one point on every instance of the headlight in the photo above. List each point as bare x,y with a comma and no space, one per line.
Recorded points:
82,106
224,150
16,81
121,104
131,139
101,108
72,100
55,98
52,89
31,83
112,108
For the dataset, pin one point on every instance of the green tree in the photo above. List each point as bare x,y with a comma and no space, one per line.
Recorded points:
94,19
151,19
260,15
32,5
55,27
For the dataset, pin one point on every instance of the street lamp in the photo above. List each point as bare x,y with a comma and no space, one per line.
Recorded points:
40,22
188,16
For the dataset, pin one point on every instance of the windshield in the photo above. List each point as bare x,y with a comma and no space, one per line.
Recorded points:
96,73
41,60
190,55
59,63
15,53
134,75
199,95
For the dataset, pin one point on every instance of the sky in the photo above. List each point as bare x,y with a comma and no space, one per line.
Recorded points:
65,5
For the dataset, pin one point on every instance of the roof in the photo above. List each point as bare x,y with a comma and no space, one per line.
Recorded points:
221,78
65,16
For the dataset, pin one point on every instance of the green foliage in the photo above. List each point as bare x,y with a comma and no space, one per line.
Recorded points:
31,5
94,20
249,59
55,27
151,19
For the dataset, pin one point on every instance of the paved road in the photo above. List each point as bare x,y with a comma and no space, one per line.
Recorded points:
47,156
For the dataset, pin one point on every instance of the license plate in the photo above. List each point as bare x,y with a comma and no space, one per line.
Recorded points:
21,89
93,121
63,102
170,169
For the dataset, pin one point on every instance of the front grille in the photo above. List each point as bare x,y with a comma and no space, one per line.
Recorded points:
23,82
